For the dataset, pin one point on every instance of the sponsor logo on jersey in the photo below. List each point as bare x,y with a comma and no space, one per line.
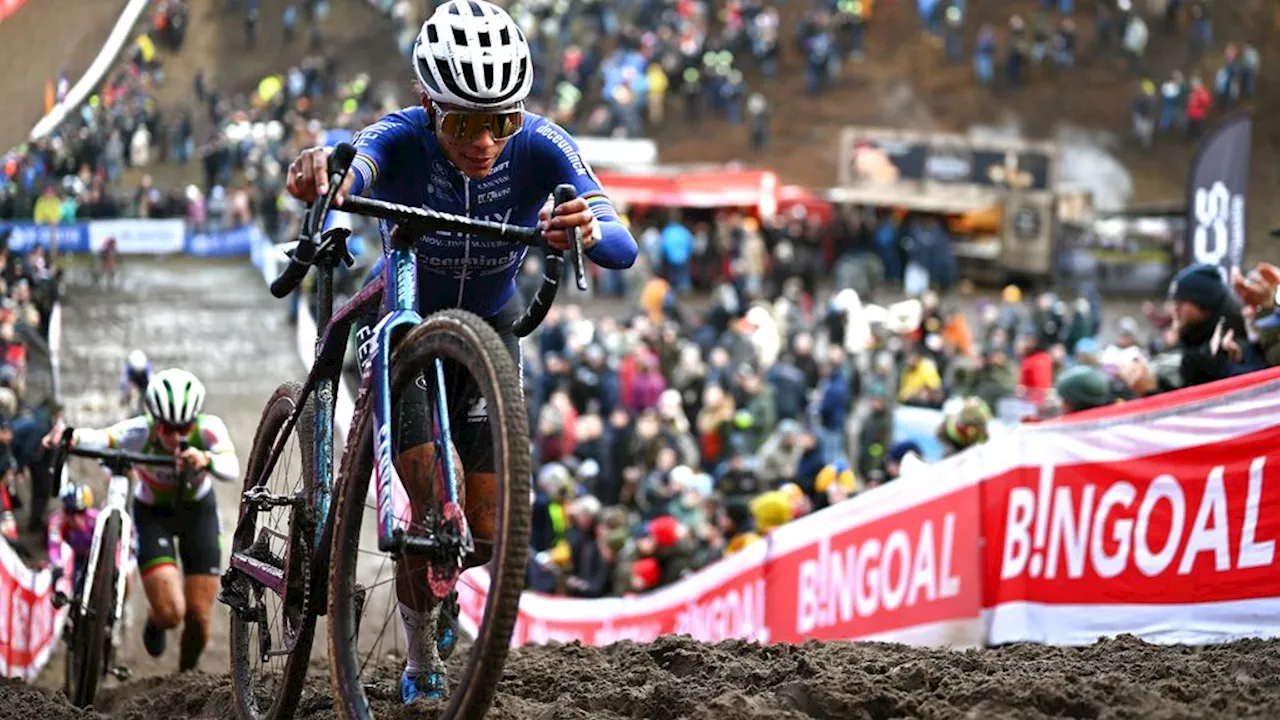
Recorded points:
492,195
452,239
566,146
497,176
476,266
441,188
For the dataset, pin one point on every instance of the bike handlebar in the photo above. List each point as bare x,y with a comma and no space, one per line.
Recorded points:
426,220
110,457
339,165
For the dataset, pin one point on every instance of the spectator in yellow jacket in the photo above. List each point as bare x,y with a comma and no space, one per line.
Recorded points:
48,208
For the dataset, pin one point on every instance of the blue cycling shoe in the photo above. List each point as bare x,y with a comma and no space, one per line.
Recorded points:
427,686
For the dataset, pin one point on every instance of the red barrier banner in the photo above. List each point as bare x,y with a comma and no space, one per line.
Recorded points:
1162,523
29,624
1157,518
896,563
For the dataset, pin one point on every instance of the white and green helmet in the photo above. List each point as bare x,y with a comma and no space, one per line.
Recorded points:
174,397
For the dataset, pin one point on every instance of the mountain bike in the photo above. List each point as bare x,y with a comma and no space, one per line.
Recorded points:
276,582
94,624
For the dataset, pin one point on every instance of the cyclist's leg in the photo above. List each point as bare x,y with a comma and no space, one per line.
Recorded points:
422,617
201,552
473,437
411,441
161,581
473,447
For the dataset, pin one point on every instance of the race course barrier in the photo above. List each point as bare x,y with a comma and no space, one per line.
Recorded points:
1157,518
134,237
29,624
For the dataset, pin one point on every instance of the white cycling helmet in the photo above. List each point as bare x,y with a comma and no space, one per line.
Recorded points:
470,53
137,360
174,397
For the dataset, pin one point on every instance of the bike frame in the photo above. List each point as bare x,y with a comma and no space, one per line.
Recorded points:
117,505
400,274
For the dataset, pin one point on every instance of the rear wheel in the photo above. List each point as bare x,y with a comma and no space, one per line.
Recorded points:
362,600
93,628
271,642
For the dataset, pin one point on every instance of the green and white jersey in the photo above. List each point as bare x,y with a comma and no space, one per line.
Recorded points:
157,485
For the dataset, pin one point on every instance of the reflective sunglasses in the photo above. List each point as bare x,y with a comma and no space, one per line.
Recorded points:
176,429
468,125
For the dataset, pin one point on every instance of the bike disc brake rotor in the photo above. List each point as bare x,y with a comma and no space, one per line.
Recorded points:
443,574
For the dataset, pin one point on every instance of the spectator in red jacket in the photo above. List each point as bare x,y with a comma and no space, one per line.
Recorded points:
1198,104
1036,376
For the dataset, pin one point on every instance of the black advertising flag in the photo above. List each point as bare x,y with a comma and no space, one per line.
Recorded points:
1216,194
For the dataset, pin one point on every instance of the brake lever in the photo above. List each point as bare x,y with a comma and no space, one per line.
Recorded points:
563,194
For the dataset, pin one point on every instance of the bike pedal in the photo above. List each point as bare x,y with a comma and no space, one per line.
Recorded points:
238,604
231,596
121,673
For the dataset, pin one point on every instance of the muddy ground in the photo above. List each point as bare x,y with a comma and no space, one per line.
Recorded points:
677,677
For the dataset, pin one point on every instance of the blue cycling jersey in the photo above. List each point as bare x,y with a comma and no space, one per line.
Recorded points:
400,160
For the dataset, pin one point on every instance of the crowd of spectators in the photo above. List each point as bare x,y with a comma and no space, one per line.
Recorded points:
120,126
1180,105
676,435
1050,43
28,291
603,69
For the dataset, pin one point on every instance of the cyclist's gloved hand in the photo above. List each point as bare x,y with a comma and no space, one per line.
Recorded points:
194,459
54,436
574,213
309,176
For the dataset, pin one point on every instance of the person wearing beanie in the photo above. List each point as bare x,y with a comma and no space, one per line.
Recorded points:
965,427
897,453
645,574
771,510
1200,285
665,531
835,483
1083,388
1211,331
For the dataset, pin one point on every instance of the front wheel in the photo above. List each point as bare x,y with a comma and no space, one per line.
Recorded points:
271,638
93,627
363,620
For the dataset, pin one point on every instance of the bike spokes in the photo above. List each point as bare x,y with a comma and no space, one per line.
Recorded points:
268,584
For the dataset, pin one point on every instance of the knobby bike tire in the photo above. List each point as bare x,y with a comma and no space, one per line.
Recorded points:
95,624
243,679
468,339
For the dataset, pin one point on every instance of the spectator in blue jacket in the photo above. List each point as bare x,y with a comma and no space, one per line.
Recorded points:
677,249
833,410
